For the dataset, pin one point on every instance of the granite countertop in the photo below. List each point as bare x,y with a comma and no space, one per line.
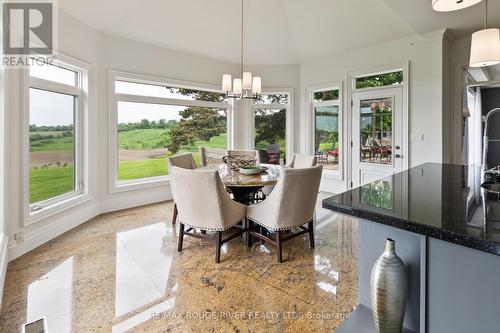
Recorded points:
442,201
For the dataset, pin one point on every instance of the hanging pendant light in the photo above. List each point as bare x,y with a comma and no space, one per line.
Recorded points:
450,5
485,45
246,87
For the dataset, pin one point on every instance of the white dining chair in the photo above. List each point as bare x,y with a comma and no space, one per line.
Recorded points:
204,204
290,206
302,161
185,161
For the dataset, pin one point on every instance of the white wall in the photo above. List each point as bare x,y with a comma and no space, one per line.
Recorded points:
104,53
426,89
3,236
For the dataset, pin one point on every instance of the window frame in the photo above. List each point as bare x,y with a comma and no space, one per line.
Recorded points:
311,105
289,131
45,208
115,185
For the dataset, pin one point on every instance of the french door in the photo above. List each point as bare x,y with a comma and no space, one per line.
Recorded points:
377,134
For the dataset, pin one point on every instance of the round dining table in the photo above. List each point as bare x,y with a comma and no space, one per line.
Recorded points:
244,187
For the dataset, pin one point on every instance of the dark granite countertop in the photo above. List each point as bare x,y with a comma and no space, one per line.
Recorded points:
442,201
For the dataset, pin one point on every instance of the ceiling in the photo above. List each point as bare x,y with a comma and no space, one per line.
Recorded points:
276,31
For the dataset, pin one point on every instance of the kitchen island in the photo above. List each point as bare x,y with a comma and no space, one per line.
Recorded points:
446,231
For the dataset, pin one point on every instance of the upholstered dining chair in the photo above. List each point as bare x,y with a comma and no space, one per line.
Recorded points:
185,161
290,206
302,161
203,204
211,156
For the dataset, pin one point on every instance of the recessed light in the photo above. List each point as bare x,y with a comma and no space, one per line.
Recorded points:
450,5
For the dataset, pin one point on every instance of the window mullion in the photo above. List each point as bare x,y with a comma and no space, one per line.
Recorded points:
42,84
169,101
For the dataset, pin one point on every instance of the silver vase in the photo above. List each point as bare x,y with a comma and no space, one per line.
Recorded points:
388,289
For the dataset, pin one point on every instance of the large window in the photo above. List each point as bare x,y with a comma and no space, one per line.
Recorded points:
327,123
54,163
155,120
270,116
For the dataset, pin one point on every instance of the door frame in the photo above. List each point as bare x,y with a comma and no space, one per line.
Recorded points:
351,77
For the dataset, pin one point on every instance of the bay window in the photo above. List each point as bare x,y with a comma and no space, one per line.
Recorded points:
153,119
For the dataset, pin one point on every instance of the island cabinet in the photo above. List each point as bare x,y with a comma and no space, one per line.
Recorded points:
447,233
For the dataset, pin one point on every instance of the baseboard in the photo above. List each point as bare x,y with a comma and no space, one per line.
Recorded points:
114,204
51,230
3,263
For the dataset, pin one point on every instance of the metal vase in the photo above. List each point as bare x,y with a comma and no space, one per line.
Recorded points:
388,289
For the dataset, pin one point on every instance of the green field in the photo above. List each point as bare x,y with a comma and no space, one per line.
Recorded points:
52,180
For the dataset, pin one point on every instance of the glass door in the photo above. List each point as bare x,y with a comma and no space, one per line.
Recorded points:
376,134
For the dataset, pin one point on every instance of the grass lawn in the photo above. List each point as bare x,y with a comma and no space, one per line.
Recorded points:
50,182
56,144
143,139
155,167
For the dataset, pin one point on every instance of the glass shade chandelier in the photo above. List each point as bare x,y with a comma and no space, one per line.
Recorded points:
485,45
247,86
450,5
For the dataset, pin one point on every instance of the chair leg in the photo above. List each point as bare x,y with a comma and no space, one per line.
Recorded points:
181,237
311,234
278,245
217,249
174,217
247,234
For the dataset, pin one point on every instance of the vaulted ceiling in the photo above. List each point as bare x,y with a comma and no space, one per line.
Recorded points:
276,31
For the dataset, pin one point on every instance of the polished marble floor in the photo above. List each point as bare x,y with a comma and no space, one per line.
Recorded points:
121,272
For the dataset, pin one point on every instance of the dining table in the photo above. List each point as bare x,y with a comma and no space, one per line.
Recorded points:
243,186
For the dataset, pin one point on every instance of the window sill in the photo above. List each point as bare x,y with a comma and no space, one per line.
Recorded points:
133,185
57,208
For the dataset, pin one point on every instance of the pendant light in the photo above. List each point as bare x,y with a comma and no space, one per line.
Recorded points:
246,87
450,5
485,45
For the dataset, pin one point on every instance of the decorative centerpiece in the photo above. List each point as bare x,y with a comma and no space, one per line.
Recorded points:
388,289
235,162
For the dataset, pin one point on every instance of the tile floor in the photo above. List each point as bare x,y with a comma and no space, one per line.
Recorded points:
121,272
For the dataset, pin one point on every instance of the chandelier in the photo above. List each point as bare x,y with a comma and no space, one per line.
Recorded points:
246,86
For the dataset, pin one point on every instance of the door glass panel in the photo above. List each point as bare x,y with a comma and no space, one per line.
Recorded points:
376,130
327,136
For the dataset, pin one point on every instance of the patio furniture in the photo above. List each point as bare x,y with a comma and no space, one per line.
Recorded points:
211,156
